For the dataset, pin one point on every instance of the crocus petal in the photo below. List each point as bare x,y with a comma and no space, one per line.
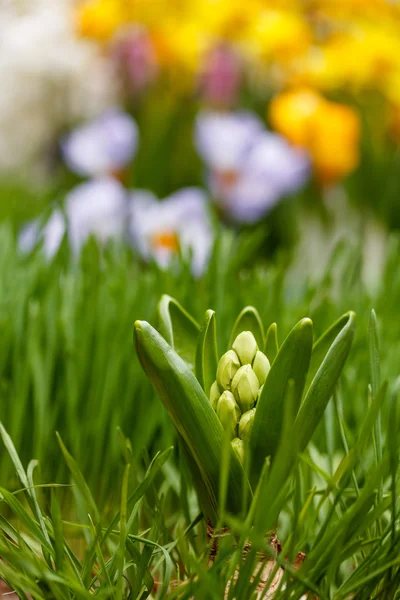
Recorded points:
283,166
251,199
97,208
224,139
53,233
102,146
29,236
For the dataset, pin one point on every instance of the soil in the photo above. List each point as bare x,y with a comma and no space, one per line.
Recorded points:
6,593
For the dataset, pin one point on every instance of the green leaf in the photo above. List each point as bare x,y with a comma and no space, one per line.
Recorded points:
271,342
178,328
79,480
272,482
248,320
322,346
291,363
190,411
207,352
322,385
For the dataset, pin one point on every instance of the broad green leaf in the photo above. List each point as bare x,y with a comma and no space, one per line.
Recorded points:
178,328
248,320
272,483
271,342
207,352
190,411
322,385
291,363
198,483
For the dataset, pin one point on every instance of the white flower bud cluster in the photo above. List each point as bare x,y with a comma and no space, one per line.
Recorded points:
241,374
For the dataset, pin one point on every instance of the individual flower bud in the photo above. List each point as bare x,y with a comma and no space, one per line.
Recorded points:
245,387
245,346
238,448
214,395
261,367
228,412
246,424
227,367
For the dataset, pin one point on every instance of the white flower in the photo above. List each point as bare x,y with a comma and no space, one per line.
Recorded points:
98,208
250,169
160,229
51,234
49,80
102,146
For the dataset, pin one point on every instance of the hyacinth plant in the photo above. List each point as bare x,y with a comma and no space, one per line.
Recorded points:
242,418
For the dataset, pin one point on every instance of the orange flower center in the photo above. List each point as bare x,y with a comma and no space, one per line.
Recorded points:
166,239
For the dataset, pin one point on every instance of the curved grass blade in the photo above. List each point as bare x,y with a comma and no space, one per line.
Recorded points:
248,320
322,346
190,411
179,328
291,363
324,381
271,342
207,352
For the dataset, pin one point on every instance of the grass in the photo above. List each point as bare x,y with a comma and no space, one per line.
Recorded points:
107,508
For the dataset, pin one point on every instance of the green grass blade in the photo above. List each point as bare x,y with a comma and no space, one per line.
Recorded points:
249,320
290,364
207,352
321,388
178,328
190,411
322,345
79,480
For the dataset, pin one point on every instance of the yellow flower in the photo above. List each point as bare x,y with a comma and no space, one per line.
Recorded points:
328,130
279,35
100,19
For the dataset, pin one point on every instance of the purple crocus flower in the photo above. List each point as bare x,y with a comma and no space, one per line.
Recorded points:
179,223
103,146
98,208
249,168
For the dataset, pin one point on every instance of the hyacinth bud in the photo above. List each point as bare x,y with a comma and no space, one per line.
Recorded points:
246,424
245,386
245,346
261,367
227,367
238,448
228,412
214,395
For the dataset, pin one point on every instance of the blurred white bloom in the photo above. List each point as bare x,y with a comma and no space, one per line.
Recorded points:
250,169
98,208
102,146
49,77
180,222
51,234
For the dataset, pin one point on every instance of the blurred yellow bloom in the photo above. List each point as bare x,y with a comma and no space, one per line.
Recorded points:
328,130
100,19
279,35
351,45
